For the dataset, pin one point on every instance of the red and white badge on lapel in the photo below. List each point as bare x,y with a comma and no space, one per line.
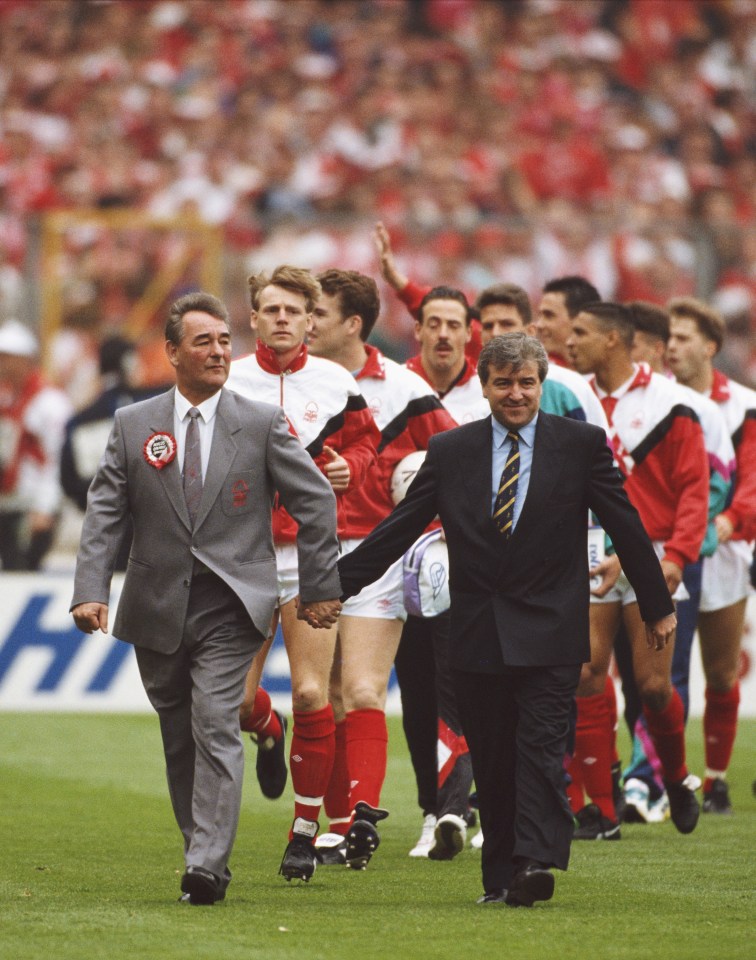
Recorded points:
159,450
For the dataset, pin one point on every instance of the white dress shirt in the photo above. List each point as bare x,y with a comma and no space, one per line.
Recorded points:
205,422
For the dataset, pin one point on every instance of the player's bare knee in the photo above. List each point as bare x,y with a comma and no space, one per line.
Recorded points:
592,680
655,694
721,679
364,697
307,696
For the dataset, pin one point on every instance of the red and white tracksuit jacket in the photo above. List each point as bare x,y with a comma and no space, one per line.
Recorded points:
464,399
324,407
738,404
659,448
408,413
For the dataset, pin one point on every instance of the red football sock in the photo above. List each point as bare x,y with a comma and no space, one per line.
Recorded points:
367,744
610,692
720,723
336,800
593,751
262,720
575,789
667,729
313,743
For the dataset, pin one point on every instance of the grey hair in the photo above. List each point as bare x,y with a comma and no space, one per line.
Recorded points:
199,300
512,350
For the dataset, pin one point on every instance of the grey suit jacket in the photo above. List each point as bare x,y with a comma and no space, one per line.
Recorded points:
253,457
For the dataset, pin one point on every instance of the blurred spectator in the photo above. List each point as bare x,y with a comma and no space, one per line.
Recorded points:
87,432
615,134
32,420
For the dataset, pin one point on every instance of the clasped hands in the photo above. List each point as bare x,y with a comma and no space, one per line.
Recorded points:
320,614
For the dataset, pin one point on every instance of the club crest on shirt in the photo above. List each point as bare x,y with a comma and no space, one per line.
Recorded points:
159,450
239,491
311,412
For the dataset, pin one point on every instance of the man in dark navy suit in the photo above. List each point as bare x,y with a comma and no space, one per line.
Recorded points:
513,492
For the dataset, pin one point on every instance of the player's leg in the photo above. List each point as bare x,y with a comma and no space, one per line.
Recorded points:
310,653
455,775
368,648
415,674
720,633
724,593
331,846
594,733
665,718
645,797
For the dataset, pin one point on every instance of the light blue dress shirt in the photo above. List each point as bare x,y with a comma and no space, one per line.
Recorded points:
501,447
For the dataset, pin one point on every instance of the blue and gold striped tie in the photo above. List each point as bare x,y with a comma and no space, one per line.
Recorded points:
503,514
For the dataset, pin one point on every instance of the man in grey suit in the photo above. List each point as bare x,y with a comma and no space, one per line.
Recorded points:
200,586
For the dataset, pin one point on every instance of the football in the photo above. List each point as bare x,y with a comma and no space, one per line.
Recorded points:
404,474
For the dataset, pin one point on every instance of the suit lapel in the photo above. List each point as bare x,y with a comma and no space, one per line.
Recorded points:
548,454
161,421
222,453
476,463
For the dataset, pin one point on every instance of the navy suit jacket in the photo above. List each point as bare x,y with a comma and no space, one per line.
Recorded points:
525,601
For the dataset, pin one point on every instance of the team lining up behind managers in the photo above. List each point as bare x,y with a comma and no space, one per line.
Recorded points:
259,493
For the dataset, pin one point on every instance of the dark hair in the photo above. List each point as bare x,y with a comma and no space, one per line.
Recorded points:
200,300
577,291
357,295
445,293
612,316
709,322
509,295
512,350
649,318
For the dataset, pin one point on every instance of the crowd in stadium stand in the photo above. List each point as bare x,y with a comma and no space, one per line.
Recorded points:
518,141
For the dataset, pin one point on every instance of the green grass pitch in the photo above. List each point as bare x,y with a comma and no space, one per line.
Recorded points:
90,862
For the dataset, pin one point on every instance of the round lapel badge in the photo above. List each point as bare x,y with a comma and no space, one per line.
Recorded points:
159,450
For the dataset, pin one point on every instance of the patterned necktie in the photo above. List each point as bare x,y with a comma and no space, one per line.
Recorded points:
503,514
193,466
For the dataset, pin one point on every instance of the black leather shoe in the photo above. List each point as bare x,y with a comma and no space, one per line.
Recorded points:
201,887
532,882
271,765
493,896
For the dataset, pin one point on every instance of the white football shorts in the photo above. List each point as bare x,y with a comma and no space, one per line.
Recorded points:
382,600
726,576
622,592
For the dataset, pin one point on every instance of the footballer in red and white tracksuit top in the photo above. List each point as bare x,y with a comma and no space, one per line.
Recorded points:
408,413
325,409
464,399
725,575
659,448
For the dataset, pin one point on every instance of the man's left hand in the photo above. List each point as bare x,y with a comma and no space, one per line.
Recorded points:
661,632
609,570
724,527
336,470
320,614
672,574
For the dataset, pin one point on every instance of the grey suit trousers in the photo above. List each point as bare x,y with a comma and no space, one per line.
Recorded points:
197,692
